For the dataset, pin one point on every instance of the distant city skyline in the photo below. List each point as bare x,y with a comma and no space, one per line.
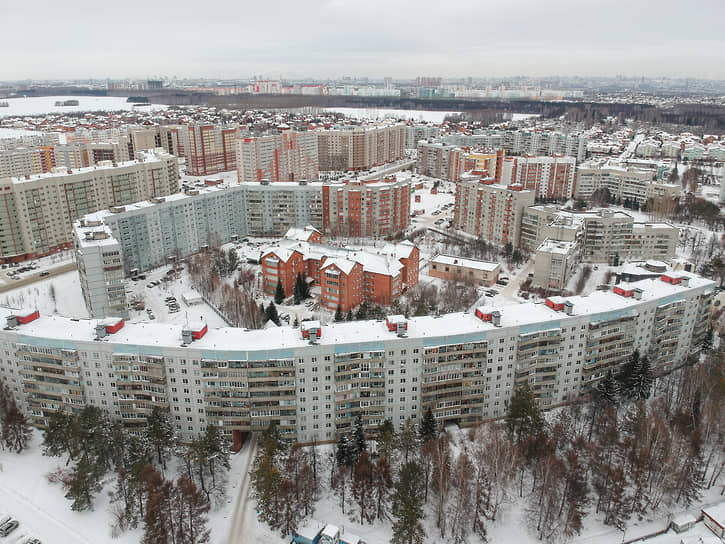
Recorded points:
330,38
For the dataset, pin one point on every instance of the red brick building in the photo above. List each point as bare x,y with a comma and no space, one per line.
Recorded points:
366,207
211,149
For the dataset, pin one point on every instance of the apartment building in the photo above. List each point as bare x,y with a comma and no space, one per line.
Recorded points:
358,147
489,162
440,160
347,277
314,381
416,133
38,212
372,208
211,149
551,178
490,211
22,161
100,270
554,263
288,156
525,142
154,231
473,271
624,183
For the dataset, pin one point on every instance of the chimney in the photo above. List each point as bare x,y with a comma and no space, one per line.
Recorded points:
186,336
637,293
496,318
569,308
100,331
12,322
685,281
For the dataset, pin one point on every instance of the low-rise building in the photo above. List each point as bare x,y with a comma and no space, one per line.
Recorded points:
623,183
473,271
555,262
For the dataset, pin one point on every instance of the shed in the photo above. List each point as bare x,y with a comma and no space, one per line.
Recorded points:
683,522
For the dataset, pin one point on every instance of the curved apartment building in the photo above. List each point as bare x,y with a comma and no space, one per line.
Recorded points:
314,380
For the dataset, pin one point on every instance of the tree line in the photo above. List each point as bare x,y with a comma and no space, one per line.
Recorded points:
631,448
171,510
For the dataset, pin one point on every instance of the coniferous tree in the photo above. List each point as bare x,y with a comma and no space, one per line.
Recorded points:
407,439
428,427
641,381
386,440
707,342
607,389
297,294
344,453
358,445
523,417
626,375
16,432
339,315
157,519
57,438
271,314
408,505
279,293
160,434
85,483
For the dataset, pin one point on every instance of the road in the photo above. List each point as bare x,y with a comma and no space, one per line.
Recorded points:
237,532
28,280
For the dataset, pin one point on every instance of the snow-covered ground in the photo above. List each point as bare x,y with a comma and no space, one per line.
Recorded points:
39,105
384,113
12,133
45,513
65,288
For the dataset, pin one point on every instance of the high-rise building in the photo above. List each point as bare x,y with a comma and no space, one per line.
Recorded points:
490,211
440,160
38,212
360,147
464,367
551,178
288,156
211,149
100,269
366,207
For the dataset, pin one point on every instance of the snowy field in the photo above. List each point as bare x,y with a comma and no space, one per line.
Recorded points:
13,133
57,295
39,105
383,113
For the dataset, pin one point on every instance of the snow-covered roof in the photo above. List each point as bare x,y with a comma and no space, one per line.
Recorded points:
466,263
344,265
302,235
716,512
331,530
158,335
556,246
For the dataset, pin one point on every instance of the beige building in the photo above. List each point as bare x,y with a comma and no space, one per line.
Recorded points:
474,271
555,262
624,183
38,211
490,211
288,156
360,147
439,160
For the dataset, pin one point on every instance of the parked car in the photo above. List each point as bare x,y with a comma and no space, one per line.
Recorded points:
9,527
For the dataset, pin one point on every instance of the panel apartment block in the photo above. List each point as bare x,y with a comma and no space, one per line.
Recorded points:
314,381
38,212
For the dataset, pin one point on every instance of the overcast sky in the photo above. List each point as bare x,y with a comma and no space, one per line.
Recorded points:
376,38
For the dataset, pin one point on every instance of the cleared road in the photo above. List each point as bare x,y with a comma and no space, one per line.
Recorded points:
237,533
29,280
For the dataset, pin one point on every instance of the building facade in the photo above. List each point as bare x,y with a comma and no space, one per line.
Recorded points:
624,183
551,178
153,232
439,160
473,271
38,212
211,149
315,380
366,207
360,147
288,156
490,211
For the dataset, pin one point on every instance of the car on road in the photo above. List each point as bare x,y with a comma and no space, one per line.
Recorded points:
44,273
